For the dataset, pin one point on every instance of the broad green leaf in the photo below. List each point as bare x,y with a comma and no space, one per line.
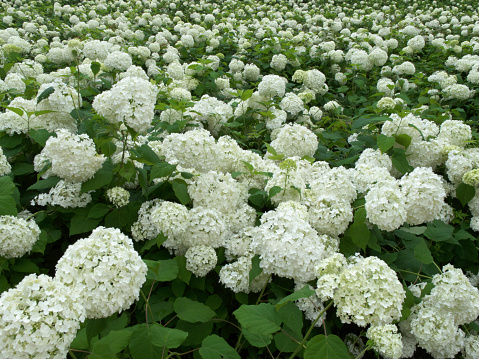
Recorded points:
464,193
183,273
167,337
422,252
403,140
360,215
25,265
414,230
116,340
102,351
47,92
270,149
101,178
95,67
385,142
215,347
359,233
22,168
304,292
8,206
363,121
261,318
322,347
141,343
45,184
438,231
41,243
162,270
147,155
399,161
246,94
259,340
342,89
255,270
18,111
274,191
40,136
108,148
80,223
192,311
7,187
163,169
98,210
95,327
196,331
292,317
181,191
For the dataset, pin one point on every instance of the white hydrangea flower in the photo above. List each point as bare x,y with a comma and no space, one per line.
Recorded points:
235,276
329,214
311,306
104,271
374,158
471,347
212,111
278,62
144,229
206,226
251,72
292,103
460,162
368,292
17,236
328,271
200,259
72,157
295,140
314,80
272,85
118,196
454,133
5,167
64,194
458,92
411,125
118,61
39,318
130,101
387,341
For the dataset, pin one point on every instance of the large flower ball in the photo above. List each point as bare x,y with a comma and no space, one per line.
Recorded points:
17,236
39,319
104,270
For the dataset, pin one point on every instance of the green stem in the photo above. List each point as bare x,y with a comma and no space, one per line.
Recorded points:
72,355
364,351
148,308
301,345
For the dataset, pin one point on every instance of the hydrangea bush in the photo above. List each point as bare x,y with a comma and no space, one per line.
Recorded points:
239,179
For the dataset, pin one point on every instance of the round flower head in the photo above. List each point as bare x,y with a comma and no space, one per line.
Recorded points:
295,140
206,226
72,157
387,341
17,236
64,194
131,101
292,103
235,276
272,85
39,318
118,196
200,260
5,167
104,271
314,80
369,292
118,61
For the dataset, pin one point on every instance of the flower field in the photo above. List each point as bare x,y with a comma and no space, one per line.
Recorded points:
239,179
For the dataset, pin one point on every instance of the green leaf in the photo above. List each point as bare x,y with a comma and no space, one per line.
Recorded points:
385,142
99,210
322,347
40,136
215,347
101,178
246,94
8,206
18,111
95,67
438,231
284,340
304,292
163,169
80,223
146,155
22,168
274,191
360,215
359,233
270,149
116,340
45,184
464,193
255,270
181,191
108,148
7,187
196,331
399,161
363,121
403,140
41,243
342,89
167,337
162,270
192,311
25,265
95,327
422,252
258,339
47,92
261,318
183,273
292,317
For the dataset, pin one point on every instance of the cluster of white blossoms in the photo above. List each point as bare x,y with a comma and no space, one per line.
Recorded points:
387,341
295,140
200,259
271,86
39,319
118,196
64,194
364,290
104,271
435,322
212,112
17,236
71,157
235,276
5,167
130,101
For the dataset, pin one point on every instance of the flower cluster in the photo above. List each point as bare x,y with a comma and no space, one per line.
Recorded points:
17,236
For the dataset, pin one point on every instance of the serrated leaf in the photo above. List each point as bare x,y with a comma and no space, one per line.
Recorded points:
464,193
167,337
292,318
192,311
360,215
98,210
270,149
45,184
80,223
259,340
25,265
41,243
95,67
147,155
236,174
422,252
22,168
363,121
438,231
108,148
304,292
359,233
101,178
7,187
261,318
141,343
215,347
255,270
322,347
40,136
399,161
163,169
385,143
45,94
162,270
116,340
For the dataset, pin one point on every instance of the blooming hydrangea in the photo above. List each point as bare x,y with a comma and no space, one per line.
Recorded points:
72,157
458,92
295,140
311,306
272,85
5,167
212,111
17,236
104,271
278,62
39,318
368,292
460,162
287,244
314,80
235,276
411,125
251,72
454,133
118,61
292,103
64,194
387,341
118,196
130,101
200,259
206,226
